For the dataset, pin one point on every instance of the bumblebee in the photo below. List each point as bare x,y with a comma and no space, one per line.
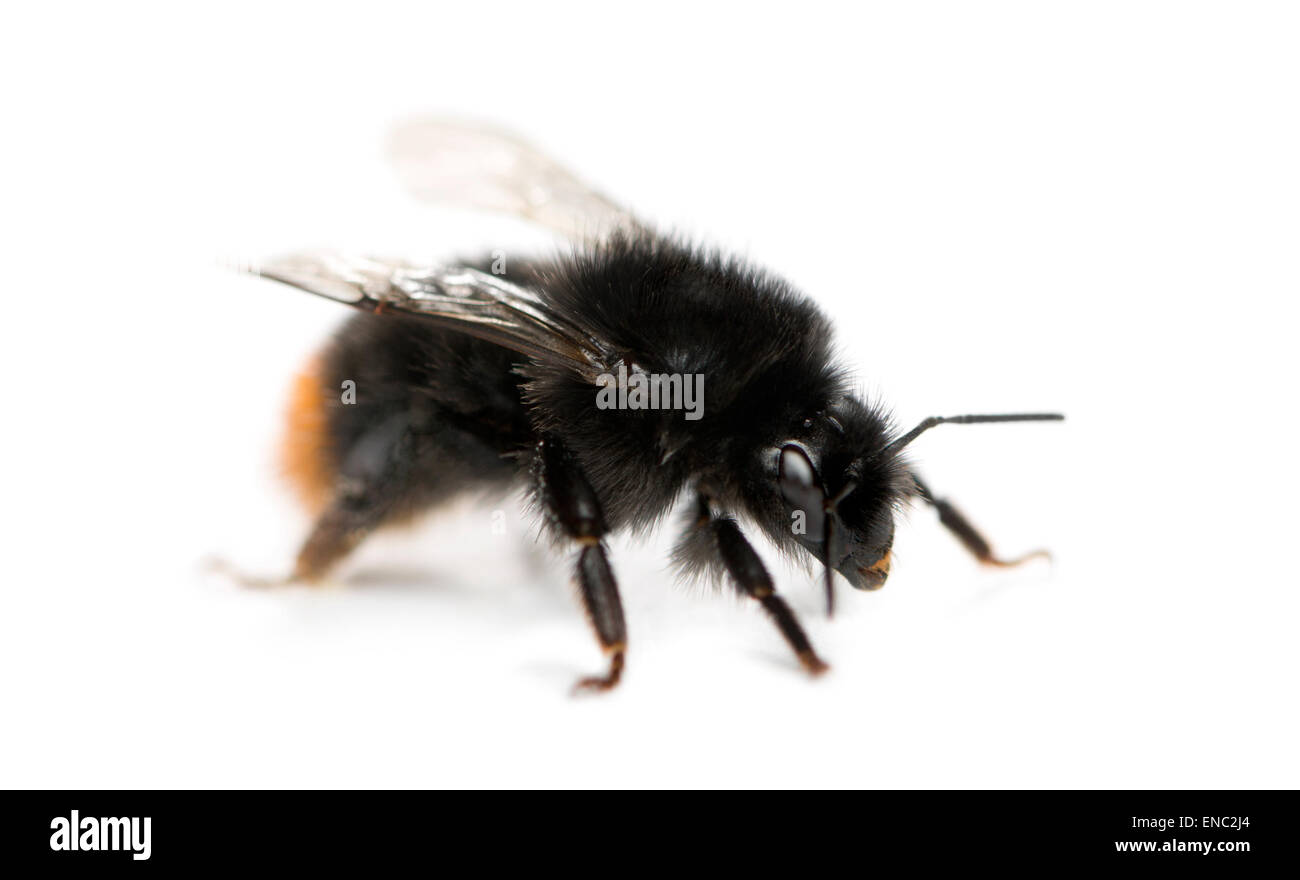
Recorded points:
471,375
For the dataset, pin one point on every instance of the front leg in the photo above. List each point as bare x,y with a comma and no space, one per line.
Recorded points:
722,538
955,521
575,512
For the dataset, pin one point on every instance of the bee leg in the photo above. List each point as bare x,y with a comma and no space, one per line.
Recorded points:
575,510
751,577
371,486
954,521
336,533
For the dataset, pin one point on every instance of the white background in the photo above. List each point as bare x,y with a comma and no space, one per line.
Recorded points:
1090,207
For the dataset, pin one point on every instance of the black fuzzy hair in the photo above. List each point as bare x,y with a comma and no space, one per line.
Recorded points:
472,412
770,376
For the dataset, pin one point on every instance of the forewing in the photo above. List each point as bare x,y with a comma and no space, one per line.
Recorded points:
468,165
456,298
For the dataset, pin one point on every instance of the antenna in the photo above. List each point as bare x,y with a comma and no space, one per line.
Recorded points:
932,421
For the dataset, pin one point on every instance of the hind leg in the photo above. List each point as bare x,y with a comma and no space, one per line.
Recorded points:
373,484
390,474
338,531
354,511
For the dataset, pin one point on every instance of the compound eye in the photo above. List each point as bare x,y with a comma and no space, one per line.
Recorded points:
800,486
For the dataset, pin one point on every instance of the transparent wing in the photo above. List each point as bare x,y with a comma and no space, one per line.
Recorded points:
468,165
456,298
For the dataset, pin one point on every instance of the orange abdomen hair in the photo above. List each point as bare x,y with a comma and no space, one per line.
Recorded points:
305,456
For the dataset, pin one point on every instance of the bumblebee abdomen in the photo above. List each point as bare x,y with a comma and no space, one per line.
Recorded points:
305,455
397,409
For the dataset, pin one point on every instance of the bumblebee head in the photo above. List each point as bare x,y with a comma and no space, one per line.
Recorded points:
841,493
842,477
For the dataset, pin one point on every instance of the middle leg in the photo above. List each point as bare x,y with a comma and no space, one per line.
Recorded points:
575,511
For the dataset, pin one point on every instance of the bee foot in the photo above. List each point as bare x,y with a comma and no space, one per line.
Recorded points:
601,683
813,664
1019,560
216,565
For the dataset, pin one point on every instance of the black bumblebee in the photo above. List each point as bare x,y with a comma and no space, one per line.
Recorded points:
475,375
